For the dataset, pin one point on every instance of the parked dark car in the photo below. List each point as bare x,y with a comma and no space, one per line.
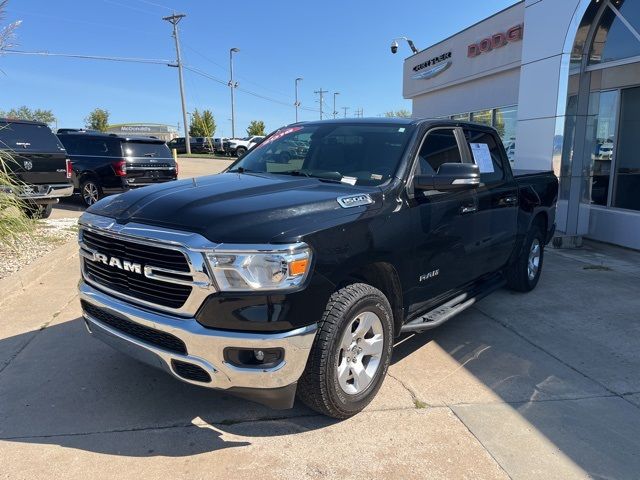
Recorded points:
198,145
276,278
38,163
104,163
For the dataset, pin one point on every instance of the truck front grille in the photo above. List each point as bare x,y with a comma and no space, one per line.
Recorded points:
148,335
136,284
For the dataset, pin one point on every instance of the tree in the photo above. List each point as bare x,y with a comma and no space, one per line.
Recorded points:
202,124
402,113
25,113
98,119
256,127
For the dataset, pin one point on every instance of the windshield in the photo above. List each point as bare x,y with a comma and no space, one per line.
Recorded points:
355,154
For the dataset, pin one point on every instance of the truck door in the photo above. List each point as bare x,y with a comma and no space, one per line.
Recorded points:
497,213
444,225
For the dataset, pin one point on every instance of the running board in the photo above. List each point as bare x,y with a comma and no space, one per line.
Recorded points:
450,309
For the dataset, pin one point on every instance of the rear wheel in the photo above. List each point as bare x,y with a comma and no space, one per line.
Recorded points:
350,354
524,274
38,211
90,192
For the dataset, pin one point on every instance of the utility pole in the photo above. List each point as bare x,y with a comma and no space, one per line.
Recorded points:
174,20
345,111
334,104
233,85
321,92
297,103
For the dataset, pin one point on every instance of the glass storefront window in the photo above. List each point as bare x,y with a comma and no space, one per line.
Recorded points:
484,117
613,40
599,143
627,160
506,120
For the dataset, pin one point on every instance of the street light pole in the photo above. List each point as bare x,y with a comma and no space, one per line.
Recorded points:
174,20
232,85
334,104
297,103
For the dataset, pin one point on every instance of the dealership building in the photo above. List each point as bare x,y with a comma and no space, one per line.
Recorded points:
560,81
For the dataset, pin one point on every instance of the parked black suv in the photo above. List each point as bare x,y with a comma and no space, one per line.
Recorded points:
107,163
38,164
198,145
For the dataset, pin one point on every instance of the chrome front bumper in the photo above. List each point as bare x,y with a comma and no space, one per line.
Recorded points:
204,346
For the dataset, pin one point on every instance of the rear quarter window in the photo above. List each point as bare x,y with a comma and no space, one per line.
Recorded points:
21,137
91,146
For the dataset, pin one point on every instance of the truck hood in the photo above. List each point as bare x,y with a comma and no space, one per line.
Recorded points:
238,208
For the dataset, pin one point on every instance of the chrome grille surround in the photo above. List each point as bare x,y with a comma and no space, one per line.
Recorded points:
191,245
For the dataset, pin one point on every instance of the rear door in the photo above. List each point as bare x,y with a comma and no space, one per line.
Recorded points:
444,226
497,200
36,155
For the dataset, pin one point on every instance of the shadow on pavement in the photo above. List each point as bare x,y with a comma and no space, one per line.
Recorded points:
73,390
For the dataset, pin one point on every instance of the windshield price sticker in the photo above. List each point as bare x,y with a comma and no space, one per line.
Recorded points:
277,136
482,157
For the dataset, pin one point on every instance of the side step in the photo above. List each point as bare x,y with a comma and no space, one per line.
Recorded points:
450,309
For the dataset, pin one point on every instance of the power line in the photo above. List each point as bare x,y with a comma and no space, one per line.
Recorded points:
155,61
156,5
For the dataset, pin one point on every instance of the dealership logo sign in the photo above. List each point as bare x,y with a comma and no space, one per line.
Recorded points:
497,40
432,67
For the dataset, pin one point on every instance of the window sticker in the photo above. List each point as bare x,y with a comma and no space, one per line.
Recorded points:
482,157
349,180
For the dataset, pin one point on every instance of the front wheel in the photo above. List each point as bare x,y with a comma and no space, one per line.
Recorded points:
350,354
240,151
524,274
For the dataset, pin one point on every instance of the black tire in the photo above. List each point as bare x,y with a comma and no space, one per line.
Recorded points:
519,275
87,186
319,387
240,151
38,211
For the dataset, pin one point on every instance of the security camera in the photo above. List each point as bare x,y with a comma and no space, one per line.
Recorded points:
394,47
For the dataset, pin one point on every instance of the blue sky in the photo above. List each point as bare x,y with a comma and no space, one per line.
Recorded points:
337,45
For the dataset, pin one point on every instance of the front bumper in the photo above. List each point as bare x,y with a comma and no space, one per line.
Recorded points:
204,346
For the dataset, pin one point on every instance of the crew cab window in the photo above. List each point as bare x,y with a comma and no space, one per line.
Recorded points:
439,147
91,146
487,154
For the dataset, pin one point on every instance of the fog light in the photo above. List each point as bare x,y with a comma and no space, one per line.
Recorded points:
250,358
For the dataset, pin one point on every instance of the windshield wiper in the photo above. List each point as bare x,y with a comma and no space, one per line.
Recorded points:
329,177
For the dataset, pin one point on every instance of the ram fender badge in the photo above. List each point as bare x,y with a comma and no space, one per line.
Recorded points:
357,200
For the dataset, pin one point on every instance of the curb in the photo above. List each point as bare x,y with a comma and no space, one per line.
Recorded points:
18,282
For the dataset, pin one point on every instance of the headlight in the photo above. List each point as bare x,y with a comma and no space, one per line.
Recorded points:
267,267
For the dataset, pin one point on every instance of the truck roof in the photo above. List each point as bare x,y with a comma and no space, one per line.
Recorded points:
396,121
92,133
19,120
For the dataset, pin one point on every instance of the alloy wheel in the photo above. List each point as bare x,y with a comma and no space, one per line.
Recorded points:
360,353
90,193
533,263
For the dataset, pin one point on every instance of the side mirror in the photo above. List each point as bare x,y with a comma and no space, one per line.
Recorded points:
449,178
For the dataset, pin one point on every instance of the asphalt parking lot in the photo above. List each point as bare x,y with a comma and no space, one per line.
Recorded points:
542,385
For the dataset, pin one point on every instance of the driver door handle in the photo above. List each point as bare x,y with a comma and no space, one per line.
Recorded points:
471,208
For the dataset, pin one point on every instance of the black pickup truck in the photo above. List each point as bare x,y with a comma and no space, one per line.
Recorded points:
38,167
295,269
